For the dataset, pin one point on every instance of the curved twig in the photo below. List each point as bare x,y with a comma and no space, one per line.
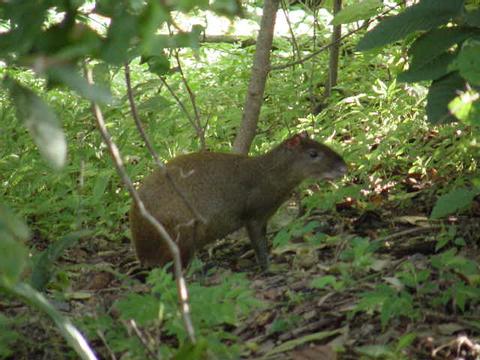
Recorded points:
143,135
177,261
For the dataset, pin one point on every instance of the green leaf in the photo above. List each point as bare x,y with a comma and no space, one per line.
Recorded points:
193,351
375,351
441,92
468,62
436,42
10,224
453,201
100,186
101,74
357,11
155,104
430,71
13,259
322,281
120,33
145,309
70,77
466,108
425,15
43,263
158,64
41,122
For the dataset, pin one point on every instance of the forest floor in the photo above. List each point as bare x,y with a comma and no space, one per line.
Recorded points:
304,322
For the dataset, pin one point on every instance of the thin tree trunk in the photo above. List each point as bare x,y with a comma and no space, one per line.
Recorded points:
334,52
258,78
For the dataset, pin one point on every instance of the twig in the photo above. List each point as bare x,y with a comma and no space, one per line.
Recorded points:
325,47
296,49
198,125
407,232
141,337
160,164
177,261
104,341
315,53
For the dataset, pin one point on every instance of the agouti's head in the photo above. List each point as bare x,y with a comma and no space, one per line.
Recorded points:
314,160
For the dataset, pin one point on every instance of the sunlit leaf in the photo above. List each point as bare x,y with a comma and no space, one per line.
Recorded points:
70,77
441,92
41,122
357,11
453,201
424,15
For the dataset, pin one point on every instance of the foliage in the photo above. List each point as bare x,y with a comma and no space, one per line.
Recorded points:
398,165
12,231
446,55
232,301
457,199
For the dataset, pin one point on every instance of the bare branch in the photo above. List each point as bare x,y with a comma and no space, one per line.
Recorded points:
315,53
177,262
198,124
143,134
296,49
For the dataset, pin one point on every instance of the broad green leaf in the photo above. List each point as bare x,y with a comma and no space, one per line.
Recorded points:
41,122
468,62
436,42
153,16
70,77
441,92
357,11
121,31
453,201
433,70
425,15
466,107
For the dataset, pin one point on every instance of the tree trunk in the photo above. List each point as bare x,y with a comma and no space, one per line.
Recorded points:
334,52
258,78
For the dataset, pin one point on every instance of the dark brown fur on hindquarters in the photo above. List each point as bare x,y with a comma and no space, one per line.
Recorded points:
230,191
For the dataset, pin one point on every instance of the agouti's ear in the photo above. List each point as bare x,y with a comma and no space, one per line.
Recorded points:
304,135
294,141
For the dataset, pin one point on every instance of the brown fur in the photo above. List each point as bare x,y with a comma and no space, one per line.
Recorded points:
230,191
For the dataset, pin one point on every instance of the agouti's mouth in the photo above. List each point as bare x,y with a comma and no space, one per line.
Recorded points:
334,174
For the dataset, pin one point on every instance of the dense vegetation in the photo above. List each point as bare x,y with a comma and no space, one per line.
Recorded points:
380,264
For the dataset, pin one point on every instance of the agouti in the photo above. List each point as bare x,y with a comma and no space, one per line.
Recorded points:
230,191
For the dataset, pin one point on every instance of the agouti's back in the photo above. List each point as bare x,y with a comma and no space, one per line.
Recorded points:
230,191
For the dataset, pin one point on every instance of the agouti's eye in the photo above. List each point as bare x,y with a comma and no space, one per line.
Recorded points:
313,153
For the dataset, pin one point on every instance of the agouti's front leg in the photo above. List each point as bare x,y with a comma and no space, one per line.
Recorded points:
257,232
